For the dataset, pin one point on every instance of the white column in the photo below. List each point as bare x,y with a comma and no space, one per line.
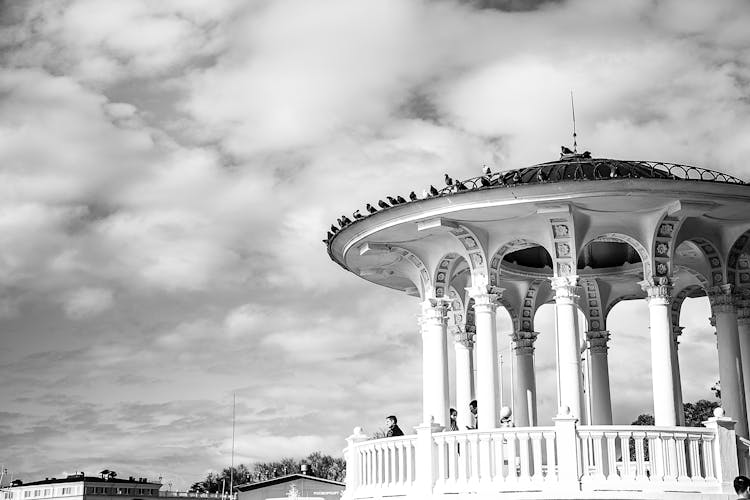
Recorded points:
676,332
434,325
743,328
601,400
486,356
568,355
658,297
723,304
524,404
464,344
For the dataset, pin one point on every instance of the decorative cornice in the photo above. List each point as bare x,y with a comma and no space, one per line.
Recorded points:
598,341
565,288
723,298
658,290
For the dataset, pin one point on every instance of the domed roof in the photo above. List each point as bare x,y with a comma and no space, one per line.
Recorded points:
570,168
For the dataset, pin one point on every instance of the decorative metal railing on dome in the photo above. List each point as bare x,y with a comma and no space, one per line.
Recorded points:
578,168
589,169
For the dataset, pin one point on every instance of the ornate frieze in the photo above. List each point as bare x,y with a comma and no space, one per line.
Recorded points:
598,341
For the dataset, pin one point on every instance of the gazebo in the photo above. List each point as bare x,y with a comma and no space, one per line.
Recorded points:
582,233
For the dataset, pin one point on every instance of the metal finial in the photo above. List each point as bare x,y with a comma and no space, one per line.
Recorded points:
573,108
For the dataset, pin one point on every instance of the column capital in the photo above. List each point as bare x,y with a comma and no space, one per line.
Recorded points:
465,339
434,311
598,340
485,297
658,290
524,341
723,298
565,288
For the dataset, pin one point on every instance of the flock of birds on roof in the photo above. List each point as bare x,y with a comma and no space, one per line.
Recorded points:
487,180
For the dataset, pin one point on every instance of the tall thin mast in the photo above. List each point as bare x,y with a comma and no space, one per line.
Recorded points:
573,108
231,470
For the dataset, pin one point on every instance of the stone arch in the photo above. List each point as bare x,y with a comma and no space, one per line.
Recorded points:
713,259
444,272
505,249
738,267
704,282
592,305
663,246
457,308
476,256
528,307
639,247
420,276
678,299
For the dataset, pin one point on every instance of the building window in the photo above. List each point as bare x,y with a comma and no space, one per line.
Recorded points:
67,491
27,494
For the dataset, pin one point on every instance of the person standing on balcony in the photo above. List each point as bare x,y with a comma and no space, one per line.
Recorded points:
453,426
391,422
473,410
742,487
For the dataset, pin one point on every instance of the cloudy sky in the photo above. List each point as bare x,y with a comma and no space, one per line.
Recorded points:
168,169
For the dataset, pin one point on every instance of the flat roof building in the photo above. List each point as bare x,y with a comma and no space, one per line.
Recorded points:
297,486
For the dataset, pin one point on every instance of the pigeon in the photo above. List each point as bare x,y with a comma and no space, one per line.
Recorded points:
329,236
400,199
460,186
425,194
413,196
392,200
357,215
486,182
613,172
586,154
383,204
565,150
433,191
339,222
448,180
346,220
516,177
371,209
334,229
486,170
541,176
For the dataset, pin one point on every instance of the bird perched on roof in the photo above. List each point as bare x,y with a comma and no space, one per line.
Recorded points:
357,215
541,176
345,221
392,200
334,229
565,150
586,154
486,182
371,209
460,186
448,180
413,196
400,199
516,177
425,194
486,170
329,235
613,172
383,204
433,191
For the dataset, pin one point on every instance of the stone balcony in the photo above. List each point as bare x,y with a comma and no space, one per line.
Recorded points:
560,461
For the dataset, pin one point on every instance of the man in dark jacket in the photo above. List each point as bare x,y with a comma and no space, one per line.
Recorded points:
393,428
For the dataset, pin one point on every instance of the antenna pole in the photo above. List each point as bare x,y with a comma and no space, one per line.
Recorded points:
231,469
573,108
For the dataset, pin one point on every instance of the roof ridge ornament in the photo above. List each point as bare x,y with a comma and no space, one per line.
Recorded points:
572,154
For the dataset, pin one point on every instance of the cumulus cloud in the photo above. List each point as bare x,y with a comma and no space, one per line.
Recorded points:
168,169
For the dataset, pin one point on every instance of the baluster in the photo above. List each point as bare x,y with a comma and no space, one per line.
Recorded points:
597,442
474,466
584,442
656,454
510,454
381,465
523,448
708,456
627,471
640,456
500,458
452,460
440,440
392,456
611,471
670,456
695,457
536,449
463,459
409,464
549,441
682,474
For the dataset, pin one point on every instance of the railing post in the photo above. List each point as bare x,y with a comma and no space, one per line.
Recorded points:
425,457
568,475
725,449
353,466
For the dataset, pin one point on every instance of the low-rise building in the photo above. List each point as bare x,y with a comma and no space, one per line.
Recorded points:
293,486
82,487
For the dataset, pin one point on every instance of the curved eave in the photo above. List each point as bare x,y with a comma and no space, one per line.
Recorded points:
450,205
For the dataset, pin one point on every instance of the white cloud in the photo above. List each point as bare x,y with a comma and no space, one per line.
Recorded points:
87,302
